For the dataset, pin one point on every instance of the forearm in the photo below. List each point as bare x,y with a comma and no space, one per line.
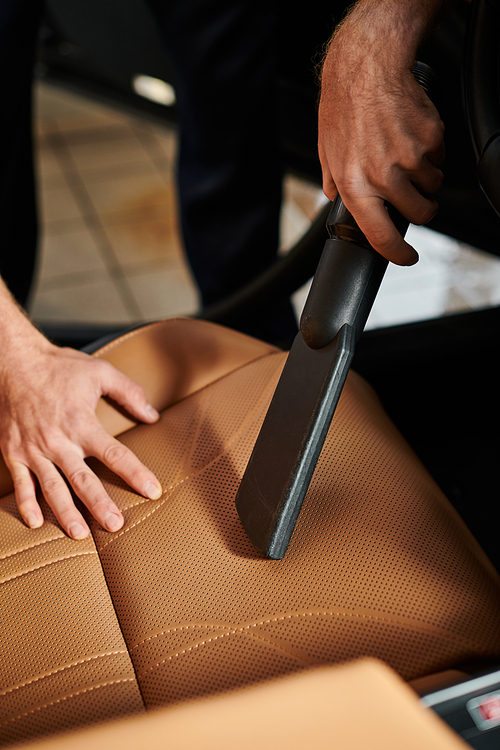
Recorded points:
380,137
15,325
17,333
395,28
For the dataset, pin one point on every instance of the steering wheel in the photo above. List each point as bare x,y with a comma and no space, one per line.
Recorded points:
481,85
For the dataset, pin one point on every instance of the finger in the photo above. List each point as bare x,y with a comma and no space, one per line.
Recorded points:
123,462
88,487
408,200
375,223
25,492
58,496
429,178
128,394
437,156
329,186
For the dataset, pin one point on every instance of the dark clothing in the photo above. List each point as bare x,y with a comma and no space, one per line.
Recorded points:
226,57
229,171
19,21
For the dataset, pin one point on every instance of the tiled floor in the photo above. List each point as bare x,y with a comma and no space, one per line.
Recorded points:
111,252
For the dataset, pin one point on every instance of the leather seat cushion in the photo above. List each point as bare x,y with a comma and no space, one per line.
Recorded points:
63,659
183,606
360,706
380,564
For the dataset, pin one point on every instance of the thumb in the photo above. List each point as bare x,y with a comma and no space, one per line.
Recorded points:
128,394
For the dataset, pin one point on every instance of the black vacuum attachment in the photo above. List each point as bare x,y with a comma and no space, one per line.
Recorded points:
283,460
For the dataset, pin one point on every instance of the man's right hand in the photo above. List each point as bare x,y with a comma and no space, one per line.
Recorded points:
380,137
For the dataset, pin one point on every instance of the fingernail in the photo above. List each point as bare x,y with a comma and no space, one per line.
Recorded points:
412,261
152,491
151,412
77,531
113,522
33,520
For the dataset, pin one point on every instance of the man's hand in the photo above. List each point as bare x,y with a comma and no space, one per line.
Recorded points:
48,426
380,137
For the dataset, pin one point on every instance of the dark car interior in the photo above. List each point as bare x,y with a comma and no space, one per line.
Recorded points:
436,381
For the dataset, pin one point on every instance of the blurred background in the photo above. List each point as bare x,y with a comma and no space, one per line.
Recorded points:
106,143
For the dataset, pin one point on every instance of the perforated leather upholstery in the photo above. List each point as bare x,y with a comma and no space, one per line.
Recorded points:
63,659
361,705
379,565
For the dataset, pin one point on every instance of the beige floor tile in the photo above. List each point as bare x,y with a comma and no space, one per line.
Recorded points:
59,109
48,167
130,196
59,205
306,195
141,241
301,203
161,142
97,301
147,228
114,151
165,293
69,254
112,173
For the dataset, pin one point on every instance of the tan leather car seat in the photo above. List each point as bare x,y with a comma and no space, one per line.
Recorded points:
178,605
361,705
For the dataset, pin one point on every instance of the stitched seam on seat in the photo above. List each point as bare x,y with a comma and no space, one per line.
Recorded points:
66,697
61,669
32,546
137,331
139,521
45,564
390,620
246,631
168,492
218,638
168,489
176,630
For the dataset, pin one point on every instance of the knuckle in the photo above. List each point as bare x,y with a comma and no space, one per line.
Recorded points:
50,440
411,160
436,181
21,483
436,132
329,191
383,177
50,485
100,365
136,390
380,238
114,453
89,489
351,185
98,504
101,369
423,214
81,479
328,184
